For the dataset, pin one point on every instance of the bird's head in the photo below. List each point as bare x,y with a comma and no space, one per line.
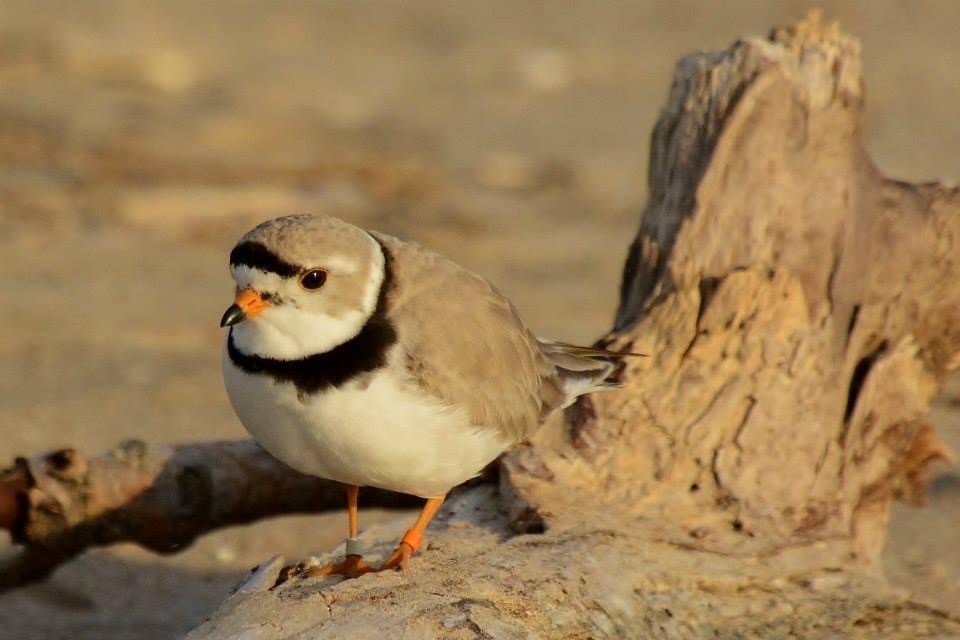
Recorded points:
305,284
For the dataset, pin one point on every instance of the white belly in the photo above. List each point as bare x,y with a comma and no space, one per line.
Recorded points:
383,435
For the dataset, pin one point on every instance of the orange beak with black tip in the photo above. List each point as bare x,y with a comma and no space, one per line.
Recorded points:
247,305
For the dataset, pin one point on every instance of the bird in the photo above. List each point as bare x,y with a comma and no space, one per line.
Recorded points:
372,361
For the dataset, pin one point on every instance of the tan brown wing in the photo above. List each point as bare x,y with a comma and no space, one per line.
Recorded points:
464,343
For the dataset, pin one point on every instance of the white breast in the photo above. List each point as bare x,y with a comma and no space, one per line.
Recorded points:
383,435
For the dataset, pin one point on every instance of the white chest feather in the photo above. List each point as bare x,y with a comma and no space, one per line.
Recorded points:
383,434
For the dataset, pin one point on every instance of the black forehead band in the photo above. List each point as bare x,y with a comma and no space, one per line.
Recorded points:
257,256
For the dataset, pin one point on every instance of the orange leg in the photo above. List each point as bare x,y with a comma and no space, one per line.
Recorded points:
353,492
413,538
353,565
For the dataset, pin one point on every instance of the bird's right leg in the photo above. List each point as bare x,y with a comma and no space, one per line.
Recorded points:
353,565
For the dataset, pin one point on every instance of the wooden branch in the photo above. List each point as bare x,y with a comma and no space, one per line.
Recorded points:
596,580
60,504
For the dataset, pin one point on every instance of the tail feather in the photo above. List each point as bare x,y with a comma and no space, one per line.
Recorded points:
583,370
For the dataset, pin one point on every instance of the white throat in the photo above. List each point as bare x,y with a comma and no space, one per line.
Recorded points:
286,332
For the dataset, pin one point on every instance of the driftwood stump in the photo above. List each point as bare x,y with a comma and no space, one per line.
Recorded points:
800,309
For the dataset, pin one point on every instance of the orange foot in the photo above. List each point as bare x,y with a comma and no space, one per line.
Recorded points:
350,567
399,559
408,546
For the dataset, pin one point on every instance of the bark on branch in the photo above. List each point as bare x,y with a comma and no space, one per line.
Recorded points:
62,503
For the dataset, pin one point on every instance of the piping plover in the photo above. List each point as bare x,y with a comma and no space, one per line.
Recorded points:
358,357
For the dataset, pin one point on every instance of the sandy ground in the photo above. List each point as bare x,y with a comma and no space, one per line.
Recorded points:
137,143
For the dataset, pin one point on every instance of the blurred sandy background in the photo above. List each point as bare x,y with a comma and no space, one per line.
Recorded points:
137,143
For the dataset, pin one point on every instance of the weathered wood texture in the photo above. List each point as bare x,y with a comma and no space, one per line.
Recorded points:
800,309
800,306
58,505
477,580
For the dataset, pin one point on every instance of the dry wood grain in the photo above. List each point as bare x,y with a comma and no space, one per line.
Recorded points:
60,504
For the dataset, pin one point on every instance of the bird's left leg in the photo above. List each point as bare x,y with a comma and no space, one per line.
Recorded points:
413,538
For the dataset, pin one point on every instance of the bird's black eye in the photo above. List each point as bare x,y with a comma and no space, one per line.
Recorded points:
313,279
